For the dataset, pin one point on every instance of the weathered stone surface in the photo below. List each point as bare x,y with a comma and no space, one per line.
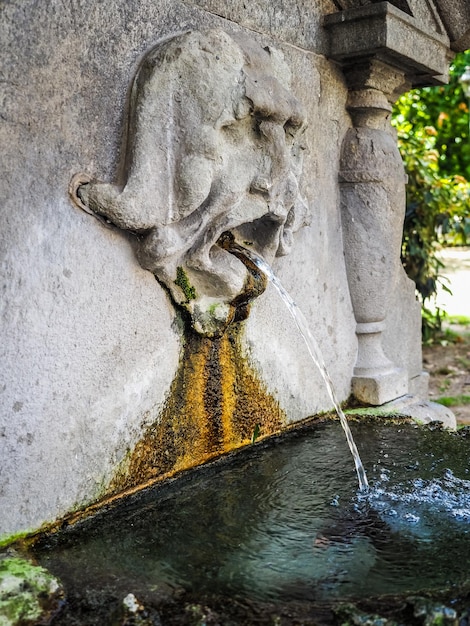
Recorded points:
422,411
90,343
298,22
403,321
88,348
455,15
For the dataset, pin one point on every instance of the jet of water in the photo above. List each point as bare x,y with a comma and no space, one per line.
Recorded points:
245,255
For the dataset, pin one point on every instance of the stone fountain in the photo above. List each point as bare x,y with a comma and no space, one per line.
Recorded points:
134,136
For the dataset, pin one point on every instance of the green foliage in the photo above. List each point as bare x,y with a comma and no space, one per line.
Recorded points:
445,110
431,323
461,320
433,137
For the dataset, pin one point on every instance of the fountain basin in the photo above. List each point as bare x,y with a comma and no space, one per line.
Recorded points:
280,527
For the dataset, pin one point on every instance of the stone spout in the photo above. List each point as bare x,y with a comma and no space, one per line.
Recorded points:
214,145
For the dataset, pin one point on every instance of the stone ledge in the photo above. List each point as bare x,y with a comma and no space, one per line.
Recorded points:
410,406
423,411
384,32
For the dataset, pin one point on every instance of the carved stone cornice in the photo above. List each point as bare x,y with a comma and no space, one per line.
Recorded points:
451,16
382,32
455,15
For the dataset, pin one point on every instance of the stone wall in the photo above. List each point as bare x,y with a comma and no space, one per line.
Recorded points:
91,342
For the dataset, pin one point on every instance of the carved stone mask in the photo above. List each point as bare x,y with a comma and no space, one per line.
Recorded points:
214,145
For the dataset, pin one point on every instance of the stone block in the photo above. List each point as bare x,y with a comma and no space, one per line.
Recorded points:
419,386
380,388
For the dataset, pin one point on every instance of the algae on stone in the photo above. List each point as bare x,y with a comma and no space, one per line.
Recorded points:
182,281
27,592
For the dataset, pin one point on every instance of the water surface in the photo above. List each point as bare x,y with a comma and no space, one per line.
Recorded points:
285,521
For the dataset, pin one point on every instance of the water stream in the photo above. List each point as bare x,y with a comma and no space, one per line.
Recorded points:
312,346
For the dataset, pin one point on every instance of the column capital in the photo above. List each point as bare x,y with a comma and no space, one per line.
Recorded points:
375,83
373,86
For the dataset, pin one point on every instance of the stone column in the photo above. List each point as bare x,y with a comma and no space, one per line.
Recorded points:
372,185
383,51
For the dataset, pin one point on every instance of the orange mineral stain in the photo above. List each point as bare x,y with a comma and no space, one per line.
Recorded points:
215,404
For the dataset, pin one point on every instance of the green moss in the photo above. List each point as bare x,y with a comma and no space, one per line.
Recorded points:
183,283
25,590
373,411
7,540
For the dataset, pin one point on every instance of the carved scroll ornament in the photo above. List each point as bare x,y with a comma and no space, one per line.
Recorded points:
214,145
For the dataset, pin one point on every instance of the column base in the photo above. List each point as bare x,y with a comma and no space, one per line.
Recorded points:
378,388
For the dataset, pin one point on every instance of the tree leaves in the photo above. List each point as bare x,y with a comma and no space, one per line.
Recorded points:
433,137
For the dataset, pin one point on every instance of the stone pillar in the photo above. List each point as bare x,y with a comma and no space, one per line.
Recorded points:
383,51
372,185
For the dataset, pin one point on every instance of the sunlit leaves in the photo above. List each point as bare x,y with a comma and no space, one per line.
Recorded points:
433,136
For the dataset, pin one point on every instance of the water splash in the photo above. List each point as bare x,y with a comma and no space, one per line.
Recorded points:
422,500
314,350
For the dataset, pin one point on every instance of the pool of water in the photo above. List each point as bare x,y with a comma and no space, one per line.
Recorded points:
284,521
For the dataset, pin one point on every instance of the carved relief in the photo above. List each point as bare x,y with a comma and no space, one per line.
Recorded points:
214,145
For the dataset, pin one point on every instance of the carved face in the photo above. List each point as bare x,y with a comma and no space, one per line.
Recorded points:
214,146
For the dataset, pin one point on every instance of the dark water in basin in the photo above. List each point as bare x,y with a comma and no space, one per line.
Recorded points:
284,521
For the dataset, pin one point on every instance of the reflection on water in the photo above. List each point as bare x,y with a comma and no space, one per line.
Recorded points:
284,520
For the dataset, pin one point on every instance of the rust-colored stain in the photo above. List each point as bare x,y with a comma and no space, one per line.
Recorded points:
215,403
